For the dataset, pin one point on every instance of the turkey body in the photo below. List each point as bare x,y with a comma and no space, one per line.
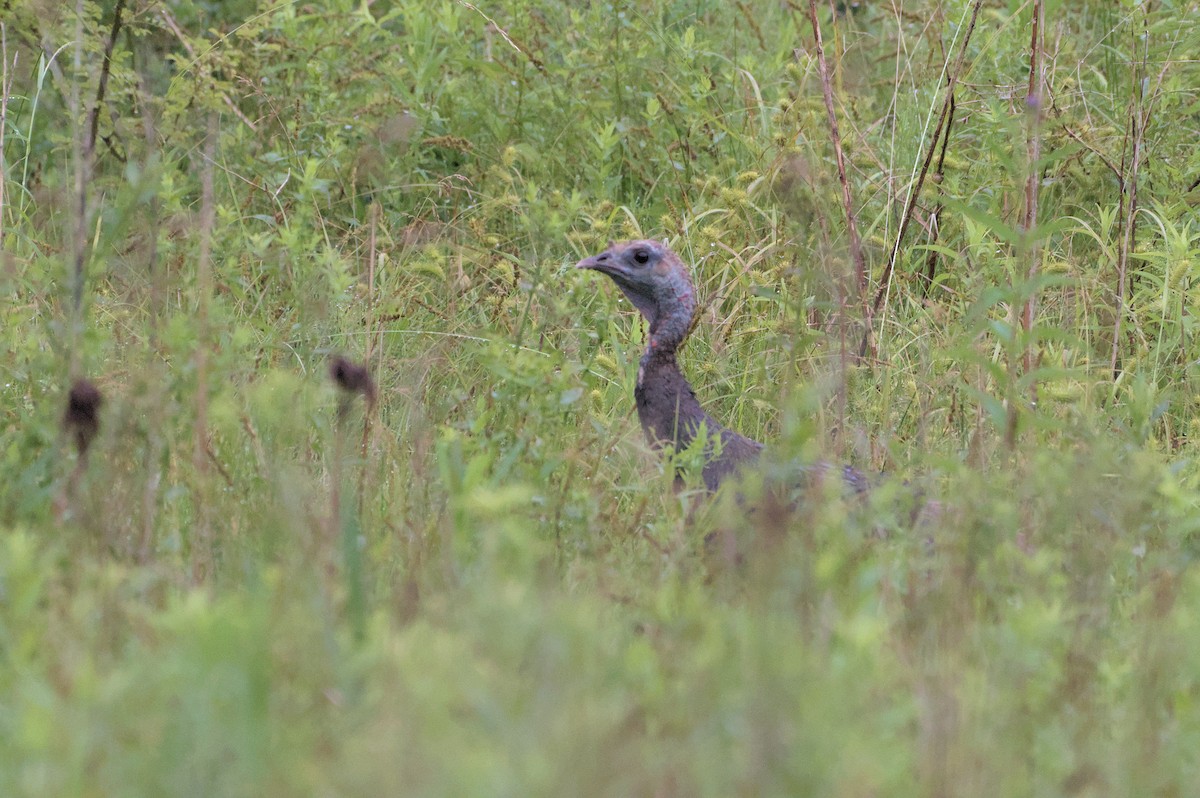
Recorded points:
671,416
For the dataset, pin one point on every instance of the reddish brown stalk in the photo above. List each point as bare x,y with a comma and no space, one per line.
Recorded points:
890,266
1128,214
1033,147
856,255
1139,118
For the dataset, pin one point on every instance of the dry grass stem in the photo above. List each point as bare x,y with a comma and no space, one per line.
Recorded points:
914,195
835,138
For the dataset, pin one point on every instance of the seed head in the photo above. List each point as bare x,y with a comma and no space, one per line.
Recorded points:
82,415
352,378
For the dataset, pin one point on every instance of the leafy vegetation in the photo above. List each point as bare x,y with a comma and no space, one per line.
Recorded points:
482,582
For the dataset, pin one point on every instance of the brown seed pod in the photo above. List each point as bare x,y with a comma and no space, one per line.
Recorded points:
352,378
82,415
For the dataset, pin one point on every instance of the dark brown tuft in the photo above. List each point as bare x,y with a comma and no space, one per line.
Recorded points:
82,416
352,378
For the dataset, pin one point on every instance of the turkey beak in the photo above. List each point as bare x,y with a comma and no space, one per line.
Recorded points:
594,262
604,263
601,262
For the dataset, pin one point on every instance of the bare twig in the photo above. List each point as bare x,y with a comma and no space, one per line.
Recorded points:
105,69
935,218
86,164
890,266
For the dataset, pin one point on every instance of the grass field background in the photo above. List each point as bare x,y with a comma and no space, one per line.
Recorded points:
484,583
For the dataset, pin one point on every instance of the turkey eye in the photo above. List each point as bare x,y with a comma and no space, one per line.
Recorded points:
641,256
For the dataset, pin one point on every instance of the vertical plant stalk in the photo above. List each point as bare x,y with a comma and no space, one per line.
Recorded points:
105,70
87,156
327,550
82,178
353,381
153,156
373,226
856,254
5,92
1128,203
935,218
202,550
1033,153
890,266
375,331
153,455
1141,109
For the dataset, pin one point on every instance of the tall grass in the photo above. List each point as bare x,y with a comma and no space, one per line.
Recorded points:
256,582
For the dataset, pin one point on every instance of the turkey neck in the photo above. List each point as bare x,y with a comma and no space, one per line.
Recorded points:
666,404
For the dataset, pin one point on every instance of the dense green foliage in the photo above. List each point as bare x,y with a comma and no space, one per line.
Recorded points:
484,584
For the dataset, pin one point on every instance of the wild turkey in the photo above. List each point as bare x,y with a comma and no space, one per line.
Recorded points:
659,285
